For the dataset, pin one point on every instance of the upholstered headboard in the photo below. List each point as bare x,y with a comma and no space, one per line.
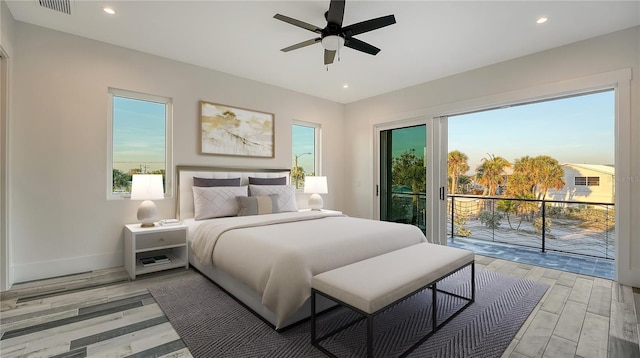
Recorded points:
185,174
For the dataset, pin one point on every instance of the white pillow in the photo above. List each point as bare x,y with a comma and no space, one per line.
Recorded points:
286,195
216,201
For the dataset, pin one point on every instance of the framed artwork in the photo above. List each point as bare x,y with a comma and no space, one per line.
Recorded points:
227,130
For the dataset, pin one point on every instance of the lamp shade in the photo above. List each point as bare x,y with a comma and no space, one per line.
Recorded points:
147,187
315,185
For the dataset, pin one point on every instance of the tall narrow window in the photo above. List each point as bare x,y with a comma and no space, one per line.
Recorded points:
305,140
140,139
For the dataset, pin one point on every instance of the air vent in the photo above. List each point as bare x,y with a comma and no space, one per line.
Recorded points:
57,5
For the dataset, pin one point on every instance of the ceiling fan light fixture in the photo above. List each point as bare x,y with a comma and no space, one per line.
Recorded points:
332,42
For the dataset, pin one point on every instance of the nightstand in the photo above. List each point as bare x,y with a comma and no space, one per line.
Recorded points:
159,247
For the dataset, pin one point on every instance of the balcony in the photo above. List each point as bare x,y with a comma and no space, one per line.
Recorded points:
566,235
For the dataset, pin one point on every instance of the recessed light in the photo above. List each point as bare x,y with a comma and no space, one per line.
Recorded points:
541,20
345,85
109,10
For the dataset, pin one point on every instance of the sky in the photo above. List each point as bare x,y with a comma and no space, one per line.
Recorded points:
572,130
138,134
303,138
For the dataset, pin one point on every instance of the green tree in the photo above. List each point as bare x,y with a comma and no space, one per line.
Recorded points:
490,219
121,181
549,175
490,173
508,207
535,176
408,170
457,165
465,183
297,174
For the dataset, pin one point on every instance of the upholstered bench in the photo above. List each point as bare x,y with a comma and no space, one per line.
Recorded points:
372,285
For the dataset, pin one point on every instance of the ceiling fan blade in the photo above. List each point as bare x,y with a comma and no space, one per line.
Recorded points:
329,56
361,46
301,44
298,23
369,25
336,12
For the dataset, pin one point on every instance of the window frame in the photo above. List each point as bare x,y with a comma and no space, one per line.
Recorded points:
168,170
593,181
317,147
586,181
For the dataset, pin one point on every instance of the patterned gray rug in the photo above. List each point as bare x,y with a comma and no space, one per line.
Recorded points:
212,324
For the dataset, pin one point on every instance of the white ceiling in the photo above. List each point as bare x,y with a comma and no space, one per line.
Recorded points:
431,39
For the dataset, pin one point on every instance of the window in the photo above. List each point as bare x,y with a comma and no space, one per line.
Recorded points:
139,139
588,181
305,141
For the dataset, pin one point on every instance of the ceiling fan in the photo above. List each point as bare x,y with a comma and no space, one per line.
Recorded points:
333,36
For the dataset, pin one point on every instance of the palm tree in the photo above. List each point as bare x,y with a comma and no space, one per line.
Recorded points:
409,170
550,175
535,176
456,166
297,172
490,174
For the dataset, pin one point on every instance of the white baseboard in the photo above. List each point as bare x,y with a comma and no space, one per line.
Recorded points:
54,268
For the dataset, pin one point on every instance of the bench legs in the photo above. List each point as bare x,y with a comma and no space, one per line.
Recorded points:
315,341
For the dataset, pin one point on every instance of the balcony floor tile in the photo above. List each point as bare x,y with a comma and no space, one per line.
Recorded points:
583,265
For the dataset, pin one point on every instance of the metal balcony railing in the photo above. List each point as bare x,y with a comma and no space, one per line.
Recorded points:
576,227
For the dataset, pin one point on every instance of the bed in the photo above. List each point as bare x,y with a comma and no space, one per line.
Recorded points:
266,261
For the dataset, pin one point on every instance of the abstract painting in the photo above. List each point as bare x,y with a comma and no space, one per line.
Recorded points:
227,130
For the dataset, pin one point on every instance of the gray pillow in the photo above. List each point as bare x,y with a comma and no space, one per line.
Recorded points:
268,181
258,205
209,182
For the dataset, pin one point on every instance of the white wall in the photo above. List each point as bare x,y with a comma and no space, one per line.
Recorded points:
6,48
601,193
61,221
486,86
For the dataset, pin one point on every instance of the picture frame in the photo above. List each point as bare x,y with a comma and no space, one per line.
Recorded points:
235,131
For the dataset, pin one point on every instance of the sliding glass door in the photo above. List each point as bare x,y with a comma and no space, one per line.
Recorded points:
411,175
403,175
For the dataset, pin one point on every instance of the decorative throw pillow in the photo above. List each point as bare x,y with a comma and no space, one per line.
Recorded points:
214,202
286,195
258,205
207,182
268,181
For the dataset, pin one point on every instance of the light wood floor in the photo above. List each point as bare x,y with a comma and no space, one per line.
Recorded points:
579,316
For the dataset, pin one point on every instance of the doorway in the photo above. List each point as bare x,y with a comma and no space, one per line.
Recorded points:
403,175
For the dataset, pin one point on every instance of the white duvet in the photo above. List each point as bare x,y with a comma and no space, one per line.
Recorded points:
277,254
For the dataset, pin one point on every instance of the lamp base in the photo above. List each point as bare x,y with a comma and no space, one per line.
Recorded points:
147,213
315,202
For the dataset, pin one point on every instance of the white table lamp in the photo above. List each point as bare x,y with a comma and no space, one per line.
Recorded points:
315,186
147,187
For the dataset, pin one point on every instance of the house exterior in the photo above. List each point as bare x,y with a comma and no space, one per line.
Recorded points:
593,183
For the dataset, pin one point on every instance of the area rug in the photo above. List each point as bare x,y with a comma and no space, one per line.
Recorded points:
213,324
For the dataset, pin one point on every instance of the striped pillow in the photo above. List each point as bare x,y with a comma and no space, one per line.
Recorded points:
258,205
